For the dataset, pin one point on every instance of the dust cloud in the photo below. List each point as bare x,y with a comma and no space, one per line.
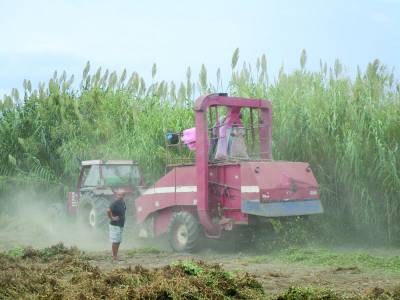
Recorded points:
29,219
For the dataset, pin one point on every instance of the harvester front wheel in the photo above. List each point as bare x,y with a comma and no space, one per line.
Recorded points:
183,232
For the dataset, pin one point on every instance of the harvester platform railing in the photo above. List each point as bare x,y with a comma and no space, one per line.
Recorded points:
178,154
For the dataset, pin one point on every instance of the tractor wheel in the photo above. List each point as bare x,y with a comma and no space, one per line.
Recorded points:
183,232
92,211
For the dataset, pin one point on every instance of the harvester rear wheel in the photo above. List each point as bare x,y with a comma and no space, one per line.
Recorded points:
183,232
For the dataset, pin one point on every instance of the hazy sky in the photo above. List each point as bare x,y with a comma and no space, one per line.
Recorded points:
38,37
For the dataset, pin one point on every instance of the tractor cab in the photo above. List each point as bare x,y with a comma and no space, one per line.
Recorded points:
97,181
109,174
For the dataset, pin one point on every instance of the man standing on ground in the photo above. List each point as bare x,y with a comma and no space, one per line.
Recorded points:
116,213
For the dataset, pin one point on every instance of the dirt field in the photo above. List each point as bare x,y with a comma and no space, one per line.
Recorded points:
275,274
349,272
276,277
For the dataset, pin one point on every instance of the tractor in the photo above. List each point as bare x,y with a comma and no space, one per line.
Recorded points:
221,177
94,193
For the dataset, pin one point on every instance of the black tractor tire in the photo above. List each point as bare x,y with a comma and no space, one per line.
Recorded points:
92,211
184,232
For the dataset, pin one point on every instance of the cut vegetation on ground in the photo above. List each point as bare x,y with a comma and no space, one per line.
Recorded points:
58,272
324,257
65,273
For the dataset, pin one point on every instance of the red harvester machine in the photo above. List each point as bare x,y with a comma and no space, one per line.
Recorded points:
230,180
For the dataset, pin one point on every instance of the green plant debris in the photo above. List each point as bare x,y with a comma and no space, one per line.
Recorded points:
307,293
143,250
324,257
189,267
16,252
58,250
62,273
59,272
310,293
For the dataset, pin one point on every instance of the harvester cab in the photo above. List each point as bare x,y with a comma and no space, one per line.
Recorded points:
96,182
226,178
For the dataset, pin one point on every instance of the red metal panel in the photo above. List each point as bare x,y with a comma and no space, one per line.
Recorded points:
167,180
211,229
232,184
161,222
232,198
279,180
204,102
225,191
266,133
184,199
178,187
186,186
155,198
72,202
186,176
215,189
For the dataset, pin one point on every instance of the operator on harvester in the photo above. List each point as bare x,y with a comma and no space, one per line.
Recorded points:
116,213
229,136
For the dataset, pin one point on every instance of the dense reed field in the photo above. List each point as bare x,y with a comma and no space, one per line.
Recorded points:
347,128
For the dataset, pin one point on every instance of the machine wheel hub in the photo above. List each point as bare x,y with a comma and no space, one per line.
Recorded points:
181,234
92,217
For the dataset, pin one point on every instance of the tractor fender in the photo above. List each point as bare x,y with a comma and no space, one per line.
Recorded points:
72,203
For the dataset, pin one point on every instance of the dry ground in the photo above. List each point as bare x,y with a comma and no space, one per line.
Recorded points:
273,270
276,276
